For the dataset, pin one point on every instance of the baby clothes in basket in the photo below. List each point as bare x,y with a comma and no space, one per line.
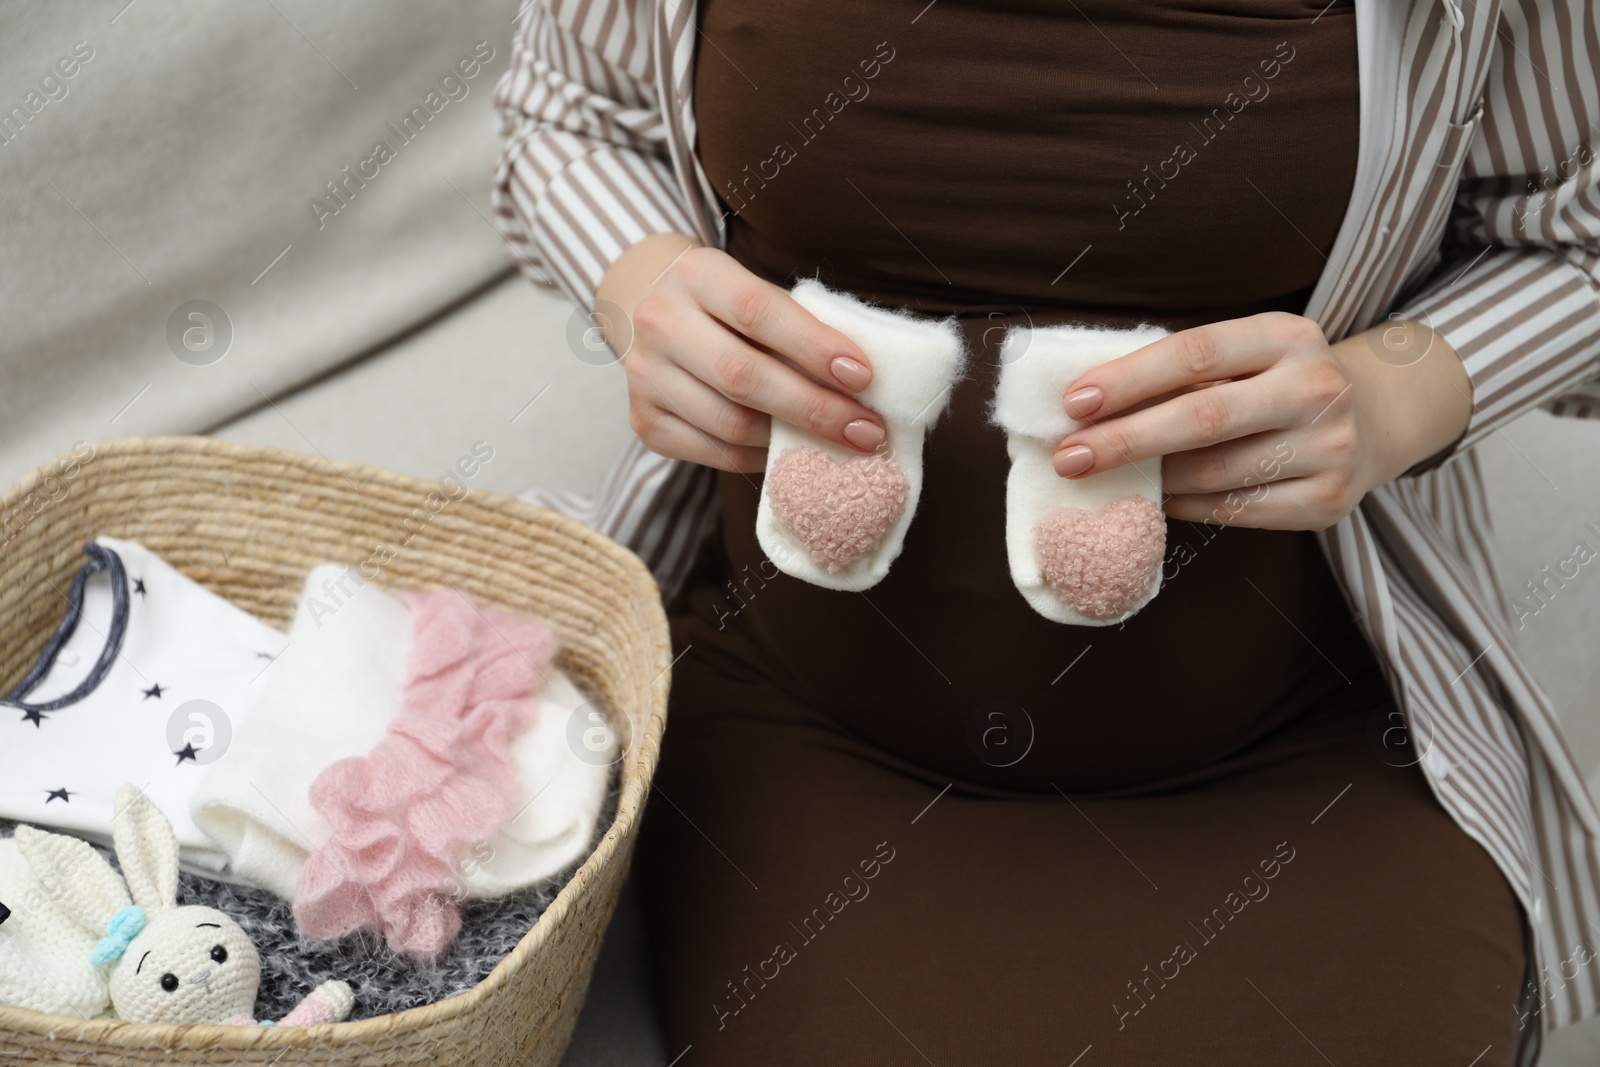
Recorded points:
409,750
144,681
410,717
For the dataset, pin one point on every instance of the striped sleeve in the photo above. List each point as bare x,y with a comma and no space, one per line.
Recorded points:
663,509
1519,295
585,172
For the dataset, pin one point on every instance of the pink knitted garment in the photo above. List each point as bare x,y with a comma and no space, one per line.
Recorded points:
1102,563
442,779
839,511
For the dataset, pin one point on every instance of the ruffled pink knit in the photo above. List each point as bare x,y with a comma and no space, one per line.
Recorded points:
442,779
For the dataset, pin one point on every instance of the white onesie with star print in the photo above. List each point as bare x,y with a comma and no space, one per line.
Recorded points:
147,678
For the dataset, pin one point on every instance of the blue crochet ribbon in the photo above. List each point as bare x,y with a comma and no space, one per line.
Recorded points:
125,926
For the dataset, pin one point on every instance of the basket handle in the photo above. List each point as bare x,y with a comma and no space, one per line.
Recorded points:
101,558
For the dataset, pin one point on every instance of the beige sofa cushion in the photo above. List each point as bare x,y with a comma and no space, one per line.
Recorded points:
182,160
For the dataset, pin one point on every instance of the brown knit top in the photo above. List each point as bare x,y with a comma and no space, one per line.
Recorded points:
1024,161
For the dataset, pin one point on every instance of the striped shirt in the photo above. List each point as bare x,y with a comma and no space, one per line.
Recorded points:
1475,210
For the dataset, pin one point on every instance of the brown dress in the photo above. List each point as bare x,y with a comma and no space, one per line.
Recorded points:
923,824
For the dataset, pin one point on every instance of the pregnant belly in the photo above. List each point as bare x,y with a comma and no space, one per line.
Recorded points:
945,665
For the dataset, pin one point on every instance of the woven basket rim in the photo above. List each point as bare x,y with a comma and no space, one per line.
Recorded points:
630,801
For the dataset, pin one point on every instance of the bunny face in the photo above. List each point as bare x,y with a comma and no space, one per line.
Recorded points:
126,938
188,965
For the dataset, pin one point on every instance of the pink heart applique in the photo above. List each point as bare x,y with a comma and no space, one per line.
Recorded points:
1102,563
838,511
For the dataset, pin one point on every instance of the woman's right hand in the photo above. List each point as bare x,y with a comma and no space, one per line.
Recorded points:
713,353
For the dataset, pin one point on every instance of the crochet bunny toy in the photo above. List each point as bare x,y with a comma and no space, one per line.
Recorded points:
78,938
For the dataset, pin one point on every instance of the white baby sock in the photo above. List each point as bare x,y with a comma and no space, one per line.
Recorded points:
830,515
1086,550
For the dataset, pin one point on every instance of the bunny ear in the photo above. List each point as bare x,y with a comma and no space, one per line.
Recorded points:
147,849
88,889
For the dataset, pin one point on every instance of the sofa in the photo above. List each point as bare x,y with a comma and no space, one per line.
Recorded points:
270,223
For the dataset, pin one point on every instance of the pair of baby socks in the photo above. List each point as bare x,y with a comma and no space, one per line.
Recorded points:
1085,551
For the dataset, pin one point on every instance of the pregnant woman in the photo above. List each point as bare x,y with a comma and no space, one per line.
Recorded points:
922,823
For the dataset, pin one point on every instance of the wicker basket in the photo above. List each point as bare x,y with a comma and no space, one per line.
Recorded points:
248,523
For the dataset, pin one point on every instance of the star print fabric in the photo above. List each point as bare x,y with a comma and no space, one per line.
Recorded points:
147,679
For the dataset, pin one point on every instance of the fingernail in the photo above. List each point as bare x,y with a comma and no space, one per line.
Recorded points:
850,373
863,434
1074,460
1085,402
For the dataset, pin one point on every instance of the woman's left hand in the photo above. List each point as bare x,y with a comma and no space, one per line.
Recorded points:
1263,423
